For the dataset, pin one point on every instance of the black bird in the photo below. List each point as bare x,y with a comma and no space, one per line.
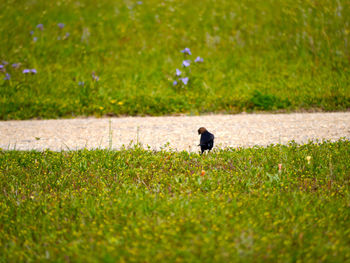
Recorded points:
207,139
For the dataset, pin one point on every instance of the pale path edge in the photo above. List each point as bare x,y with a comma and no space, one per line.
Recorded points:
173,133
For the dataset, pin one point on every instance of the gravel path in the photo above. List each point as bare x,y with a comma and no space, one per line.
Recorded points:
180,131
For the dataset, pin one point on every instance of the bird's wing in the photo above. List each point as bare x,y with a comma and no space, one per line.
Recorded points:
206,137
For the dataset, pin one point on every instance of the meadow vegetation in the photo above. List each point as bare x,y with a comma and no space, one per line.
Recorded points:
272,204
281,203
68,58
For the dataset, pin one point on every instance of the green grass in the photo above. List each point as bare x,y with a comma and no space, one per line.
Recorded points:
258,55
136,205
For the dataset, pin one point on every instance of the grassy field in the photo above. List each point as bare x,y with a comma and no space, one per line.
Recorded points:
279,203
120,57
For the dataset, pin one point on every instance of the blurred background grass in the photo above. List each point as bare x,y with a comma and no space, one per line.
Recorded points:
258,55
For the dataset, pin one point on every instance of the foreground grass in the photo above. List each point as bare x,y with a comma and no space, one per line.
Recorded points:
258,55
142,206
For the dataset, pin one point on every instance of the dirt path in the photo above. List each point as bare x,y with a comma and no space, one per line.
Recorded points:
180,132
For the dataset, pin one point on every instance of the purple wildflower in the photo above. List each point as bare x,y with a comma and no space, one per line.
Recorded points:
4,62
139,2
184,80
198,59
178,72
35,39
61,25
40,26
174,83
186,51
31,32
81,83
186,63
94,77
15,65
26,71
7,76
67,35
1,66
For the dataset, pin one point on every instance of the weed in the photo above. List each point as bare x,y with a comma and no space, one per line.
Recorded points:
275,203
295,54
